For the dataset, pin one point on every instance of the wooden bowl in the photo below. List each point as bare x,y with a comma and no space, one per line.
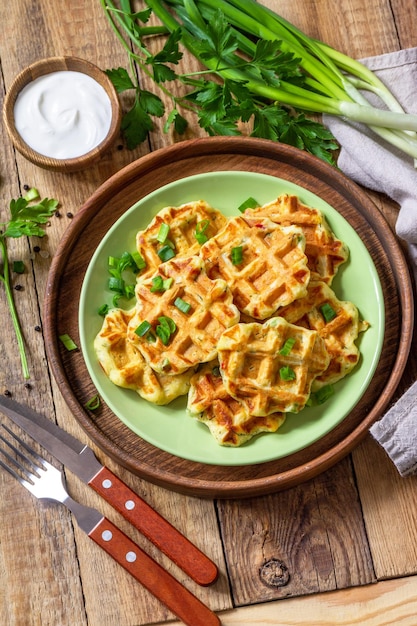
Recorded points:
48,66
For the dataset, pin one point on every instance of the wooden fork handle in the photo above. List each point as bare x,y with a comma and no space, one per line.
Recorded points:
152,576
155,527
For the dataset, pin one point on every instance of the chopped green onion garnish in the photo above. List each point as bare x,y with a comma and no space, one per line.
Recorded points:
103,310
68,342
323,394
165,329
328,312
112,261
163,334
93,403
143,328
139,260
200,231
183,306
18,267
162,233
160,284
31,194
166,253
116,284
250,203
168,323
237,255
287,347
129,291
286,373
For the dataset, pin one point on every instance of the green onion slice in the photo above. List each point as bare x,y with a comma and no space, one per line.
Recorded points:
250,203
103,310
160,284
323,394
157,284
143,328
237,255
31,194
328,312
166,252
287,347
182,305
167,323
200,231
139,260
68,342
286,373
163,334
116,284
163,233
93,403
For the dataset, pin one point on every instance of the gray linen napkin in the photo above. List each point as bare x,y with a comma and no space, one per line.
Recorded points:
375,164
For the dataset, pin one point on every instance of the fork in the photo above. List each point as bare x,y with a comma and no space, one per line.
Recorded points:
46,482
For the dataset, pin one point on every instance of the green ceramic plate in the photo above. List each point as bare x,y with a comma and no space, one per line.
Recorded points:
169,427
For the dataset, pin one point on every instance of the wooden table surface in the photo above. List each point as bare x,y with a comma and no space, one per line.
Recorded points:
348,537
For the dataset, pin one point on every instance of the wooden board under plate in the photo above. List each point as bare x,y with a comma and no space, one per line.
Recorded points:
153,171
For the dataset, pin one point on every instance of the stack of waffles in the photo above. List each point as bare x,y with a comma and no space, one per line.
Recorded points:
241,317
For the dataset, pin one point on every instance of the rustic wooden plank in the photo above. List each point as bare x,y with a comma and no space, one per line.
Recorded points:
388,507
405,14
357,28
39,573
80,29
384,604
314,533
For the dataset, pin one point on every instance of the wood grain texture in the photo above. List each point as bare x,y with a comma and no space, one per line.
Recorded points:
388,603
50,572
133,183
90,584
287,531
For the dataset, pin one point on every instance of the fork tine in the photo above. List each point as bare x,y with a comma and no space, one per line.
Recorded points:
39,460
10,470
29,474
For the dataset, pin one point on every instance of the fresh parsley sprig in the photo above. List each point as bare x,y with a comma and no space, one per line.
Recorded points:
28,217
218,95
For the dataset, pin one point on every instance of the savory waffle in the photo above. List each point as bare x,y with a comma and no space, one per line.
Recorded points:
189,225
196,308
228,420
270,367
125,366
336,321
324,251
270,270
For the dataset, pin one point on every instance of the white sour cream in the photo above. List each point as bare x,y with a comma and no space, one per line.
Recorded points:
63,115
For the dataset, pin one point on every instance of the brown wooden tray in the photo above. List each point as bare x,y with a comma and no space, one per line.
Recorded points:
149,173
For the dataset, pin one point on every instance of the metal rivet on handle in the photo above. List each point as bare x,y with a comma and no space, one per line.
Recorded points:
131,557
129,505
107,535
107,483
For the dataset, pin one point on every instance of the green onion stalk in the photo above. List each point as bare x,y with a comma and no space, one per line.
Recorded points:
335,77
5,279
329,81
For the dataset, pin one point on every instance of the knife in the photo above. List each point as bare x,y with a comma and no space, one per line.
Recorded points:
81,460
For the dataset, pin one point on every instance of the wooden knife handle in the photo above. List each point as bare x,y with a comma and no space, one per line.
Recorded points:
155,527
151,575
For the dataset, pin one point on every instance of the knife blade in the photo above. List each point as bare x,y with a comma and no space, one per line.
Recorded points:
81,460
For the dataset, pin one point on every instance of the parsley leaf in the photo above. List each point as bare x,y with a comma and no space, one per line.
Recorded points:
120,79
27,217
